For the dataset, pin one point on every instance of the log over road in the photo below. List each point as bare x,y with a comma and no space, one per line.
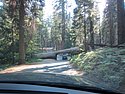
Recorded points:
53,54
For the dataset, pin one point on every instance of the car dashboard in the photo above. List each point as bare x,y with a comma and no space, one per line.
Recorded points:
13,88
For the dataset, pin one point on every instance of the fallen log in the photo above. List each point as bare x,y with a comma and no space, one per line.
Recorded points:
52,55
103,45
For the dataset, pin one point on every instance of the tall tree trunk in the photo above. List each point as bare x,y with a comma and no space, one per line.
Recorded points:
21,32
100,34
63,24
111,25
13,44
120,17
91,34
85,42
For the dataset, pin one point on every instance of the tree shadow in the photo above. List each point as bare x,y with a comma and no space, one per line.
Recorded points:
53,73
52,69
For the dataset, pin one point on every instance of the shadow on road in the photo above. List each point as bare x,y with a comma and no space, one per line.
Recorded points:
49,71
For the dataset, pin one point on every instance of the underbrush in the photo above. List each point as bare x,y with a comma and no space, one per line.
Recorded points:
34,60
104,64
5,66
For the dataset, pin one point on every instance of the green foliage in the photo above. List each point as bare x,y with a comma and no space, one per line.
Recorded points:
107,64
5,40
9,31
4,66
86,23
34,60
61,26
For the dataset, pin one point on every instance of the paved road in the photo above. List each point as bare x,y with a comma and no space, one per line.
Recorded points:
46,66
48,70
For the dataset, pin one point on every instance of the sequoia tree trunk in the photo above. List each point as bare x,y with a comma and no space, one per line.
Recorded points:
63,25
120,15
21,33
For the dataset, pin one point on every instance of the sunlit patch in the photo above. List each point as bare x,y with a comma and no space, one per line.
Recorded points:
1,4
38,71
72,72
47,66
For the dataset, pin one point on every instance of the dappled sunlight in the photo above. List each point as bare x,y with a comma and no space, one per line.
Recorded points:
19,68
15,69
73,72
47,66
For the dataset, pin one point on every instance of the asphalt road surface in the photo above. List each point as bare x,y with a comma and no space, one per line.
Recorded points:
48,70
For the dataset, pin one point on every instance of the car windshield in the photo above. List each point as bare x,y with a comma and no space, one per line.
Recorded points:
79,42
